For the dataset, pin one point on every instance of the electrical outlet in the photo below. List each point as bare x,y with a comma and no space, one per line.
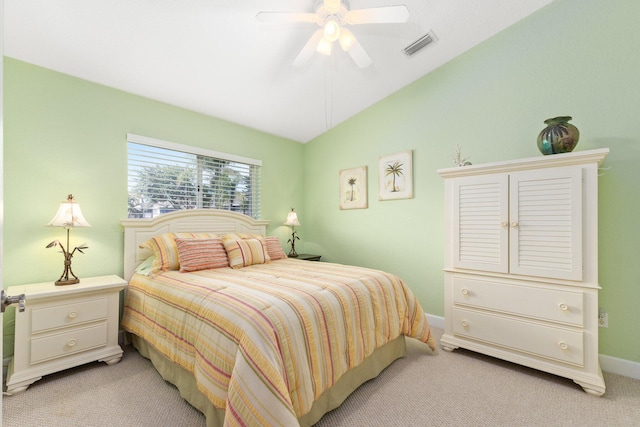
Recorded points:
603,319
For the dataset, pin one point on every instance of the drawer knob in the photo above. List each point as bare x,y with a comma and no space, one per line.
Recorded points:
464,323
563,345
73,315
504,224
514,224
465,291
71,342
563,307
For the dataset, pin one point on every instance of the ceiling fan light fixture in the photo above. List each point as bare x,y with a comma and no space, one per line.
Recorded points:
324,47
332,16
331,30
346,39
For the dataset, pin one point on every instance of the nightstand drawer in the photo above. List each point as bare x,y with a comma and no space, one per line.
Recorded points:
59,345
67,314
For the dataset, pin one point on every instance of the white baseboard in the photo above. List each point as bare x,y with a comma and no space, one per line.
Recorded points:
610,364
618,366
435,321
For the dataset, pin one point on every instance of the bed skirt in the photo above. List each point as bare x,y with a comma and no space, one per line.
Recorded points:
329,400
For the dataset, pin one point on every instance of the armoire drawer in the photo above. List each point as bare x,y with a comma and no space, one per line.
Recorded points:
540,303
74,341
547,341
68,313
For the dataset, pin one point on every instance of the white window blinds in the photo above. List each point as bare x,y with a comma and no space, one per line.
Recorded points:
164,177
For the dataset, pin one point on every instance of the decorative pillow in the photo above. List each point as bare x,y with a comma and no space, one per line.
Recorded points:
245,251
165,250
238,236
201,254
274,248
146,267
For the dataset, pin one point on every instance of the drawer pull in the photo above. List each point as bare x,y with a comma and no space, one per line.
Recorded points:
563,345
563,307
464,323
73,315
465,291
71,342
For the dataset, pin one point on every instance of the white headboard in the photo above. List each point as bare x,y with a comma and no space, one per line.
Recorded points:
138,231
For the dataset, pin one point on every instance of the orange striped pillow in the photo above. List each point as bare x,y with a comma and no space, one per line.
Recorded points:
247,251
201,254
274,248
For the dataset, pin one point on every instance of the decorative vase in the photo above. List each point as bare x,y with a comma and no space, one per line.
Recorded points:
559,136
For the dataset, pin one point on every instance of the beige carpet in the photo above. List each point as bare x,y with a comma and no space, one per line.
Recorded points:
423,389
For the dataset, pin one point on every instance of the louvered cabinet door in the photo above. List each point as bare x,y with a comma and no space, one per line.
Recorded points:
480,233
545,223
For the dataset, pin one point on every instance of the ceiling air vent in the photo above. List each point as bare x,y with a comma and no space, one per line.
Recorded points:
420,44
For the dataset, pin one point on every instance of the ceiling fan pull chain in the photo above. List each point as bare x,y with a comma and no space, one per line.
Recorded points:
328,91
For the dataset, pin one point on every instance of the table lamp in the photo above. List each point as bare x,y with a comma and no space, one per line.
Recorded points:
292,220
69,216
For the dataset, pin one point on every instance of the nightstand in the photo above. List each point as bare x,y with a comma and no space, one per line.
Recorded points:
309,257
64,326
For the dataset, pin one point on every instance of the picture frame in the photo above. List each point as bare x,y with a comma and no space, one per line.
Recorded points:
353,188
395,176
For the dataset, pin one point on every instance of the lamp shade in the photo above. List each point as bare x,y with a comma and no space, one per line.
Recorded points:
332,30
292,218
69,215
346,40
324,47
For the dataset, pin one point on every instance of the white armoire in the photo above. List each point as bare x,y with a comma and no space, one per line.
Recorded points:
521,263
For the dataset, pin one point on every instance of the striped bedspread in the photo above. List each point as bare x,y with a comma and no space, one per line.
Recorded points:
264,341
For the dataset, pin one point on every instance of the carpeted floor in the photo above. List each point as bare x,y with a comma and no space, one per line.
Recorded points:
423,389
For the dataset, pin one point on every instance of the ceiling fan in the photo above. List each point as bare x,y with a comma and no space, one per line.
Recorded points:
333,16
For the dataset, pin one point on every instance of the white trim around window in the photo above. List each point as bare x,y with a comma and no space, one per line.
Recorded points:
139,139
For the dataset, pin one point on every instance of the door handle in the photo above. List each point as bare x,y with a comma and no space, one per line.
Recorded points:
7,300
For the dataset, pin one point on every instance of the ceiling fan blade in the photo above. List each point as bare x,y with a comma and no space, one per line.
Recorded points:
308,50
350,44
285,17
359,56
378,15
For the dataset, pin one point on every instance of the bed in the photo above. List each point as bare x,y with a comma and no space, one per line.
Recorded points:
264,339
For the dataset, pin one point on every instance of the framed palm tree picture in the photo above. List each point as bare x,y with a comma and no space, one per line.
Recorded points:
353,188
395,176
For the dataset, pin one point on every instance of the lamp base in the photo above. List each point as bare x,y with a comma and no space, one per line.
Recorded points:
67,282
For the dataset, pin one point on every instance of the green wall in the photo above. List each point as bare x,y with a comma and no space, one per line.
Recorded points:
66,135
577,58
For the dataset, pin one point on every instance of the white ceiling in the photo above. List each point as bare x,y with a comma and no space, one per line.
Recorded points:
213,57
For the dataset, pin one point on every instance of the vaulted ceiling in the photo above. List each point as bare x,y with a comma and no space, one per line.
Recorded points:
215,58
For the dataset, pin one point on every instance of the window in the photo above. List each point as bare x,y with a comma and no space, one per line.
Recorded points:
166,177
